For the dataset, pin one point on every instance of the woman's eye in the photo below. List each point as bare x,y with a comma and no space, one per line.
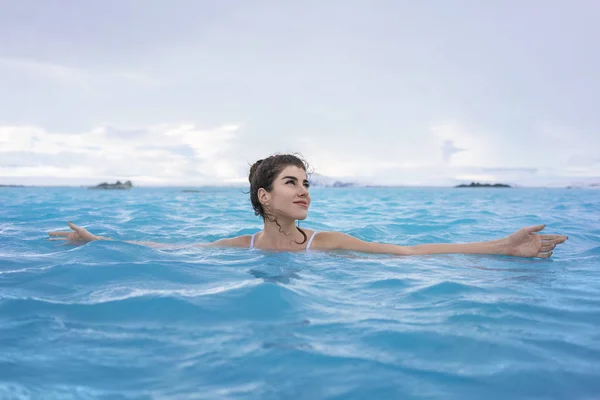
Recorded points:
306,185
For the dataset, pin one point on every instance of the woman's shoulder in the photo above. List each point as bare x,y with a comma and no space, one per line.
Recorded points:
325,240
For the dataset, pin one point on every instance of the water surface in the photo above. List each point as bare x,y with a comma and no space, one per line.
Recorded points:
113,320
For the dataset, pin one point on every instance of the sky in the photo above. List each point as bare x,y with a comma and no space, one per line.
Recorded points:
186,92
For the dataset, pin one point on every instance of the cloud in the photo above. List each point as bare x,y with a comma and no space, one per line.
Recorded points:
44,69
448,149
509,170
186,154
584,160
164,154
75,76
461,145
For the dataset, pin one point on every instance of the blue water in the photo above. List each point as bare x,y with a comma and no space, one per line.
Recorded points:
112,320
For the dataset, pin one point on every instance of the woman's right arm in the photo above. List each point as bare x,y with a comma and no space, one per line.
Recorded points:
82,235
79,234
238,241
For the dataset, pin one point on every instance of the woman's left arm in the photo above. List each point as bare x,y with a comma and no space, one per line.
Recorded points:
523,243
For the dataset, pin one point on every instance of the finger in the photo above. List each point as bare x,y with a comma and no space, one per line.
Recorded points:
59,238
554,237
535,228
544,254
547,247
57,233
554,241
73,226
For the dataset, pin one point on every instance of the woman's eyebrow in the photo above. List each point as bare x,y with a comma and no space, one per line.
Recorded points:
293,178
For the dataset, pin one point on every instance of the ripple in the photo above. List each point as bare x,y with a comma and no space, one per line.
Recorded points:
391,283
443,290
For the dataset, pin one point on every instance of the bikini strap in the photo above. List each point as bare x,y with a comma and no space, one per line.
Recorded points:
310,240
307,246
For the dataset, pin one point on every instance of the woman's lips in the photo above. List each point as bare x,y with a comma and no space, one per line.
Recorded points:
301,204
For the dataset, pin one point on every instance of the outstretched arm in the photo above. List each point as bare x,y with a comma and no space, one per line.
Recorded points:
79,234
523,243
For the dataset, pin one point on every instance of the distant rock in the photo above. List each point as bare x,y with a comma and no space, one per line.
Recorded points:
317,180
586,185
343,184
113,186
12,186
480,185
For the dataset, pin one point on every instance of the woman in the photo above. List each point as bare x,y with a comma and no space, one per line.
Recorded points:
279,194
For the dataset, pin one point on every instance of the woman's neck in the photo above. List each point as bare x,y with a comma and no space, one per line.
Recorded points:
282,236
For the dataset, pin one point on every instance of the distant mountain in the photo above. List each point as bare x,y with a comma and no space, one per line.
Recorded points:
113,186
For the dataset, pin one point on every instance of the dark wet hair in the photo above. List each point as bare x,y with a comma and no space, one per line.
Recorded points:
262,175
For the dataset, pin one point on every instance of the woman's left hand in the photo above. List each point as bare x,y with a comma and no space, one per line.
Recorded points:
526,243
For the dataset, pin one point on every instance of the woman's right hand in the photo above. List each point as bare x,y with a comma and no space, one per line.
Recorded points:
78,235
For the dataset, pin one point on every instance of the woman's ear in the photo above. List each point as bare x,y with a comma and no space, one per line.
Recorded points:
263,196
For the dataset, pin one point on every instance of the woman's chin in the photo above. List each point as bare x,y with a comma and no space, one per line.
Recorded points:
302,217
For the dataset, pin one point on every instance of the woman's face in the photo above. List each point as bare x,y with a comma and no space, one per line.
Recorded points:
289,197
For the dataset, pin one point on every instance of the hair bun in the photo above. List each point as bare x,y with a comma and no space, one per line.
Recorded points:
253,169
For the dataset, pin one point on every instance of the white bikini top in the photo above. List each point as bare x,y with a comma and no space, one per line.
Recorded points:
307,246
